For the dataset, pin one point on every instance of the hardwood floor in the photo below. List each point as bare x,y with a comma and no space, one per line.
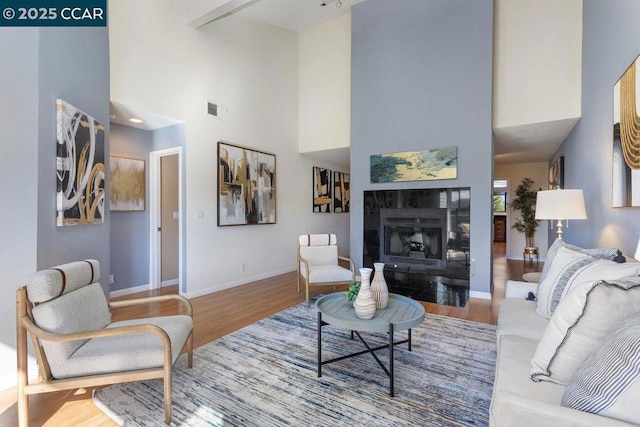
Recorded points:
223,312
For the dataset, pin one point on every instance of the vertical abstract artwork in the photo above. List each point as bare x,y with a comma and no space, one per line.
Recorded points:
556,174
321,190
246,186
340,192
421,165
126,179
79,167
626,138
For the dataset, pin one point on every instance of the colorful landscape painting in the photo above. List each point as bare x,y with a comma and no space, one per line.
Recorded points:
421,165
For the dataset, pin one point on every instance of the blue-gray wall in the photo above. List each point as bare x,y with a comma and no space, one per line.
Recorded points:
130,240
19,175
74,67
422,78
611,41
130,229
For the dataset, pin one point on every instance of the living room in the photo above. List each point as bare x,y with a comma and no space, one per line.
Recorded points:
421,83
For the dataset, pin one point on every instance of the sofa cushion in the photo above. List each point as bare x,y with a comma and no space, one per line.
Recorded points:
579,325
512,366
519,317
608,382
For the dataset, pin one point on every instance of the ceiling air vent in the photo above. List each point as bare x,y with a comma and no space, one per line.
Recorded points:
217,110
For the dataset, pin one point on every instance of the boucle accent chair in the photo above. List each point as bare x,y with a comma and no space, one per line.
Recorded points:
318,262
67,315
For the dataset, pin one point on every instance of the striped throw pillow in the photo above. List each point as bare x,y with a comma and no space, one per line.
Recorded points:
582,321
608,383
611,254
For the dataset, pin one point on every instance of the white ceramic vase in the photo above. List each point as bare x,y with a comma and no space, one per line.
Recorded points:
379,286
365,303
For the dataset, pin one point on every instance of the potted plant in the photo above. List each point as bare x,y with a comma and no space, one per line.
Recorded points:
352,292
525,202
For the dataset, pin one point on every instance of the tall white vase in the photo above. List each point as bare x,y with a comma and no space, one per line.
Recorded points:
379,286
365,303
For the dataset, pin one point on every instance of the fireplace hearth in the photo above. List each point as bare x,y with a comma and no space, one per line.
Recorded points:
422,236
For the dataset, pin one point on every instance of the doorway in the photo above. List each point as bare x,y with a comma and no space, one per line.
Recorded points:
166,222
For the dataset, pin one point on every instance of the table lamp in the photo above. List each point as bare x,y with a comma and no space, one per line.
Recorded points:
560,205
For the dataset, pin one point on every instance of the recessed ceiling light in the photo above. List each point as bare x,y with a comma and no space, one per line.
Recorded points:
136,120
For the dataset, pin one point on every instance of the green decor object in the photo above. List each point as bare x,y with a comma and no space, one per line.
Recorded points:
352,292
525,203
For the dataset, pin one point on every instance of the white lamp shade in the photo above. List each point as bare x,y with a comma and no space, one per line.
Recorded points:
560,204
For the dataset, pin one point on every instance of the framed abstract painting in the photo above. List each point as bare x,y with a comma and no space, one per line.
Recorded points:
80,171
246,186
626,138
340,192
126,184
441,163
321,190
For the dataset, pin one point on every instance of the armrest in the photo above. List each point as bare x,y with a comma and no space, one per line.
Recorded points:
510,409
352,266
40,333
137,301
519,290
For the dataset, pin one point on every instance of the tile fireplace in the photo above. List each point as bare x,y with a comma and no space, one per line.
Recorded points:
422,236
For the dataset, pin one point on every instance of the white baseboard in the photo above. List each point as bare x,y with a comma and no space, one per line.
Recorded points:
481,295
235,283
128,291
171,282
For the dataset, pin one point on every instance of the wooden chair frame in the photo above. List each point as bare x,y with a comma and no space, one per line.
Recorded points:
46,383
306,276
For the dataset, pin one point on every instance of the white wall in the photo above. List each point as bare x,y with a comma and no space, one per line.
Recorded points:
161,65
537,61
325,85
514,173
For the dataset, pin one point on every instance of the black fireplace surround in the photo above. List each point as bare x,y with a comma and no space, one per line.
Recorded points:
422,236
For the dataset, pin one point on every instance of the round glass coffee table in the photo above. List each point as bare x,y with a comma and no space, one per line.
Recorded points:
401,314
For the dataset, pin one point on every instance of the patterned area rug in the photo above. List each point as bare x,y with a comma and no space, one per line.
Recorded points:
265,375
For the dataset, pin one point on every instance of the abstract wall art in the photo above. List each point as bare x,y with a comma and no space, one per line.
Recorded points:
556,174
626,138
79,167
340,192
321,190
126,179
246,186
421,165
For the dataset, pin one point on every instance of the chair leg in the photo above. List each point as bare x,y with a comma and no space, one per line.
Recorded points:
307,294
190,352
298,282
167,394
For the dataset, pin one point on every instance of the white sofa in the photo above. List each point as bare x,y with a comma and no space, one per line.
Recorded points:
517,400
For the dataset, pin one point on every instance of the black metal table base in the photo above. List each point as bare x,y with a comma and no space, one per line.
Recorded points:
390,345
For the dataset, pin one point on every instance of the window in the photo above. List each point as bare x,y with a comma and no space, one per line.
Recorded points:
499,195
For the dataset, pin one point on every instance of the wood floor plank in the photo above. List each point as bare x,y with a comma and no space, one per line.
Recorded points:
223,312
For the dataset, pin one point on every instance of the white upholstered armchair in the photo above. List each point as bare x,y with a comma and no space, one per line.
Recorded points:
65,311
318,262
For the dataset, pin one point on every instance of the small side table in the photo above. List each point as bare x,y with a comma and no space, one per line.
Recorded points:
532,277
531,251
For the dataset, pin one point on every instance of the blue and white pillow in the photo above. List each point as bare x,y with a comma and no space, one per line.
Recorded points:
608,383
611,254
